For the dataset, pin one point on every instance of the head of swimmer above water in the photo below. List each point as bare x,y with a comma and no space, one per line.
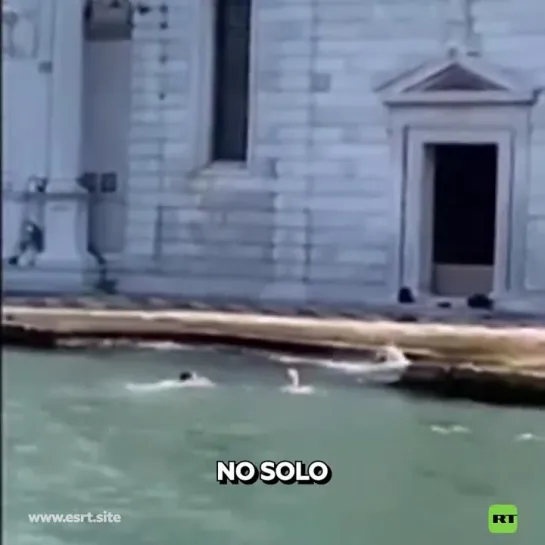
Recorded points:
185,376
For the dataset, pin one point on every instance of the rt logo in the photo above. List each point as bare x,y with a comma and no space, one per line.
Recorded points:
502,519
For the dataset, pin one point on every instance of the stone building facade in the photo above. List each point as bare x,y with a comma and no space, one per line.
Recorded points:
299,150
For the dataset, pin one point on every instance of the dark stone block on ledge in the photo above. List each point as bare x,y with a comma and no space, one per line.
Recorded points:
466,381
480,301
14,334
405,296
407,318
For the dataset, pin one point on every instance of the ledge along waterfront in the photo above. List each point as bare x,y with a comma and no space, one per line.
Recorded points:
497,362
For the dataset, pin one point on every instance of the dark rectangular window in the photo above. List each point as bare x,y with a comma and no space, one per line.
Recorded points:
232,68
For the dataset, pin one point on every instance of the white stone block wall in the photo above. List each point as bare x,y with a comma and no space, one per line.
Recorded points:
331,144
158,137
318,186
513,35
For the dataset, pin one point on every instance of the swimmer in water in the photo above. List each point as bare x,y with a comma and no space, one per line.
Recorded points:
185,376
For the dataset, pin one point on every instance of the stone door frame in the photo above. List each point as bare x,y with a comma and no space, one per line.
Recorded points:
417,233
458,99
410,132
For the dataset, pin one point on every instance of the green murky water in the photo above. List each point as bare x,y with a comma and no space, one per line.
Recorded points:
79,437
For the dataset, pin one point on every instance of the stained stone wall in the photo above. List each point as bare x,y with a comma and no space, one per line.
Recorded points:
310,217
513,35
229,236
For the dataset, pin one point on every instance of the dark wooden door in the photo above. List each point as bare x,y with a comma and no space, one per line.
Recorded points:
465,204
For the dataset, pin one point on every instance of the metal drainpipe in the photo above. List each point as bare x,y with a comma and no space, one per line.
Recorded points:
47,67
307,209
104,283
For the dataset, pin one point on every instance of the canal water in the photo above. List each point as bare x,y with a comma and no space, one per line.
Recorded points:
109,431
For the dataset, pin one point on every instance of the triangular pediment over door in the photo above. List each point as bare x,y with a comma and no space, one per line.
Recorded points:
458,79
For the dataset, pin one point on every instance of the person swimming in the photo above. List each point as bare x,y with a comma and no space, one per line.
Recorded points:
295,386
186,375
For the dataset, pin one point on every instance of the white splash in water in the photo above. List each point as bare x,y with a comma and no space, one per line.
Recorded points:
447,430
348,367
165,346
290,359
440,429
295,386
529,437
388,371
195,382
459,429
